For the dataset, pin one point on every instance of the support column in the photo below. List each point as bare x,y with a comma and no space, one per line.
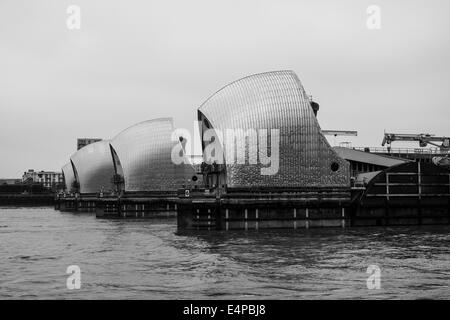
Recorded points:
226,219
198,219
449,199
119,207
419,179
245,218
209,219
387,185
307,217
295,218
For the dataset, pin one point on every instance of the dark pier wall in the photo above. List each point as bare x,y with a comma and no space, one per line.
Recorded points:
31,200
76,204
408,194
251,217
135,208
120,207
413,193
250,211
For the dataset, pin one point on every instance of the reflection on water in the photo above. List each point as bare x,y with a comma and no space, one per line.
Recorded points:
149,259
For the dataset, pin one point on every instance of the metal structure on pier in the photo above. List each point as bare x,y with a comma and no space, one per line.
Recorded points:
93,168
272,101
142,153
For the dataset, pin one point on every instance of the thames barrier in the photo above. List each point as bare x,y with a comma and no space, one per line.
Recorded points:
265,164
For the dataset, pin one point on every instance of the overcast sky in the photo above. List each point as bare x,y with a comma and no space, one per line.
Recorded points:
137,60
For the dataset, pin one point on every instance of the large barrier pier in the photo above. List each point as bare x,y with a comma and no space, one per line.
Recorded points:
239,210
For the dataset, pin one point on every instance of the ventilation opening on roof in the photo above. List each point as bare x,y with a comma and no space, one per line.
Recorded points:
334,166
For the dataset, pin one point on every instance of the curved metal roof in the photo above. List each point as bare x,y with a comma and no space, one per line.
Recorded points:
367,157
145,151
94,168
276,100
69,176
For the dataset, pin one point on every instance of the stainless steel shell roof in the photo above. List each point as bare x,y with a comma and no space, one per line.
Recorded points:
276,100
144,151
69,176
368,157
94,168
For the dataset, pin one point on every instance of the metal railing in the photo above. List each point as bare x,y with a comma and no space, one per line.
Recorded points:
432,151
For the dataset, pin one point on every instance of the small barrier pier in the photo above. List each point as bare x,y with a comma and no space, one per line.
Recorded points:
130,205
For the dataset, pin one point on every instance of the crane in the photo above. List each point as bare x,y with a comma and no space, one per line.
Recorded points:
424,139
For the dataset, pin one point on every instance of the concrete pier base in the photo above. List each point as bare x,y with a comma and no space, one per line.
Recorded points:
135,208
252,211
76,204
219,217
305,210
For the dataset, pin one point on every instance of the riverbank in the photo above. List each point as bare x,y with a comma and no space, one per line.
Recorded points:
32,200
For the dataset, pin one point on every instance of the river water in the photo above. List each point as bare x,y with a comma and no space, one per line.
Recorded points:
149,259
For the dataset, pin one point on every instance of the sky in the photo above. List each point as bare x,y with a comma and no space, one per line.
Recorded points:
136,60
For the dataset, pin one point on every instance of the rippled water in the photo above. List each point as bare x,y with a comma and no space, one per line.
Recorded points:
149,259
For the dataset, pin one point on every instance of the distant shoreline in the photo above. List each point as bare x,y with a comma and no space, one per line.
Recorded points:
13,199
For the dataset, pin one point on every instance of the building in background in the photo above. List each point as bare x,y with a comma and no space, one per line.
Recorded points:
49,179
82,142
